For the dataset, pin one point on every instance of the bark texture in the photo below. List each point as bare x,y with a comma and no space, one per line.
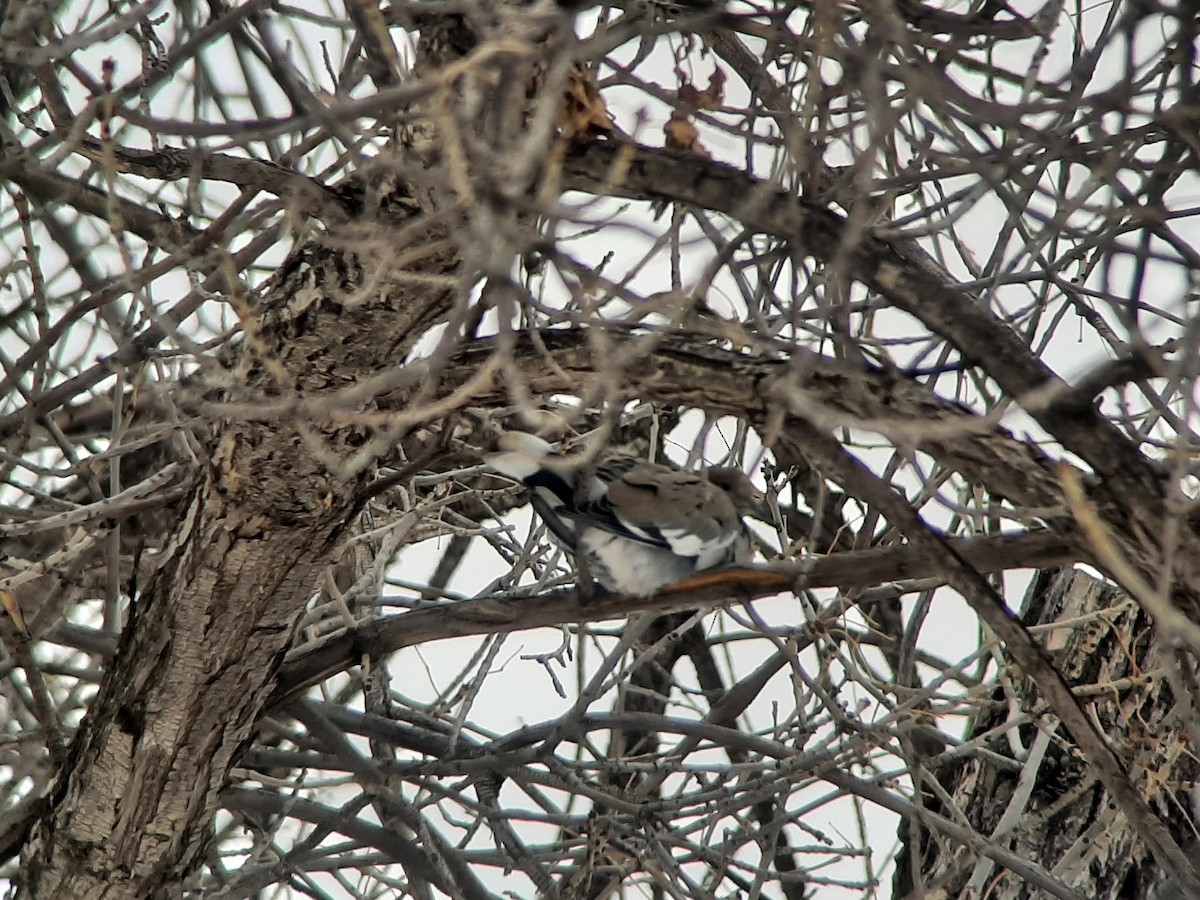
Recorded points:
131,814
1047,804
228,496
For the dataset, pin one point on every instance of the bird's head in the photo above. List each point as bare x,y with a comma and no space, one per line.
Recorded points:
516,454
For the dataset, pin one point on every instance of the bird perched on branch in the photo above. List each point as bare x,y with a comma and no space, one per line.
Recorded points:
638,526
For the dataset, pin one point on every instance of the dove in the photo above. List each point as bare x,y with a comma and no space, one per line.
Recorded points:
639,526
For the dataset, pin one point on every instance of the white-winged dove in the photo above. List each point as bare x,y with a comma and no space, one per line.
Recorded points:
639,526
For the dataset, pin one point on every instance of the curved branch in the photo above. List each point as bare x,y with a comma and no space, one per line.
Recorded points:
684,370
900,271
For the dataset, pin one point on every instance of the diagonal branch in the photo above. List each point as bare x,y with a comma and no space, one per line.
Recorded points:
897,269
827,454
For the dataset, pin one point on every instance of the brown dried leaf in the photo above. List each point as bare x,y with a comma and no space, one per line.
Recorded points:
714,95
687,97
691,98
682,134
9,603
583,113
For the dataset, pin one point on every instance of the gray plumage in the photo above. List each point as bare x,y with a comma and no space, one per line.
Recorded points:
639,526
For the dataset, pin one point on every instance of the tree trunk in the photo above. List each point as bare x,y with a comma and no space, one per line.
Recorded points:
1044,802
132,812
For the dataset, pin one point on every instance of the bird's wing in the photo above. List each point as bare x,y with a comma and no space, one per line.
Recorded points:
683,512
680,511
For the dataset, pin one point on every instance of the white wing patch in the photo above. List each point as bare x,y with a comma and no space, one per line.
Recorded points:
640,526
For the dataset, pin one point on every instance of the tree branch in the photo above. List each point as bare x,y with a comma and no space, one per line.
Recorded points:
501,615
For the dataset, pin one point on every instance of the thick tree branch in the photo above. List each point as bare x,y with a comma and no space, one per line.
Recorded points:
899,270
129,816
500,615
684,370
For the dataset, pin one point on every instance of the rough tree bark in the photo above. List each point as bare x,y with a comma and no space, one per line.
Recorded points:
1047,804
131,815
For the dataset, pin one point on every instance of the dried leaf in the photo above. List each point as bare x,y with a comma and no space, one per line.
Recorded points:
714,95
682,134
9,603
687,97
583,113
691,98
